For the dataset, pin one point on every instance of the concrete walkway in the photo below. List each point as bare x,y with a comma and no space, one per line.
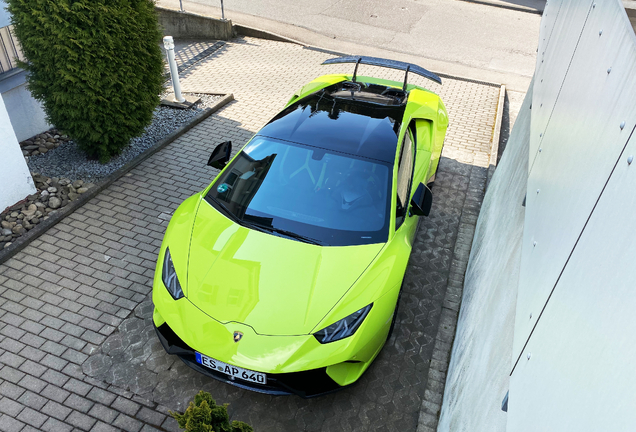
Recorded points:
77,349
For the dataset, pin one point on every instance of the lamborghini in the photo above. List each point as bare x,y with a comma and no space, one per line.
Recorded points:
283,275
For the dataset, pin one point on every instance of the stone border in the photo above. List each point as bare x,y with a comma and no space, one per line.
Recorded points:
501,5
60,214
436,380
243,30
496,134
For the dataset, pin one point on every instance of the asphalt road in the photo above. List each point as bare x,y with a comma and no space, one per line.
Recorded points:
474,39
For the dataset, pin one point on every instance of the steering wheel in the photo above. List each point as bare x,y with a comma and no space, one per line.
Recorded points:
355,192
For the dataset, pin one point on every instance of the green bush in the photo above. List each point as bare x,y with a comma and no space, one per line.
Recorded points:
204,415
95,65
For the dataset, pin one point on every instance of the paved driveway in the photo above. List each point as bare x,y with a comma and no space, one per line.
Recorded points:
77,348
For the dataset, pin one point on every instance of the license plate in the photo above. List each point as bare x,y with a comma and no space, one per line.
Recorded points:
232,371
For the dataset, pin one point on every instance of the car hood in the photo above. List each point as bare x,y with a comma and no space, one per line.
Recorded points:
276,285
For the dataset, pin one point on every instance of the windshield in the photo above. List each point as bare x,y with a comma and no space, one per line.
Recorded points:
329,198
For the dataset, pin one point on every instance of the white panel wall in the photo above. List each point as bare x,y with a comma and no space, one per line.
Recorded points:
573,356
576,305
16,182
580,374
554,54
579,148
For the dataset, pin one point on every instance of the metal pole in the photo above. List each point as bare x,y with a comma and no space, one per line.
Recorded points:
168,44
222,11
181,5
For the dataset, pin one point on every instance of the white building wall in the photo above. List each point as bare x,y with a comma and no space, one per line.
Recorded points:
26,114
573,356
16,182
5,18
580,142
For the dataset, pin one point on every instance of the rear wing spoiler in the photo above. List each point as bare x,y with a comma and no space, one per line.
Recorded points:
393,64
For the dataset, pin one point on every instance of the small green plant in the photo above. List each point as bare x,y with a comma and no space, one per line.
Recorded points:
204,415
95,65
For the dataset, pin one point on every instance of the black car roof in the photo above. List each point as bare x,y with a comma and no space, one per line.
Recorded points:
356,127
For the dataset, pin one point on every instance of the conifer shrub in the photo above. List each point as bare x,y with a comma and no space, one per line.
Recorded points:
95,65
204,415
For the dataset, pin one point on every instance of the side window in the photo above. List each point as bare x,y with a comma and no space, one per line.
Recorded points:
404,178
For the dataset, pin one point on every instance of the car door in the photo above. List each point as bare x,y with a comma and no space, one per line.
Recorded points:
405,225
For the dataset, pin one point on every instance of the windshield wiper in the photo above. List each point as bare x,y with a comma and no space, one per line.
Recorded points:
263,228
294,235
291,234
265,224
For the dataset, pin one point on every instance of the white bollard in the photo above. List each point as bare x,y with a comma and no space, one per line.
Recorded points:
168,44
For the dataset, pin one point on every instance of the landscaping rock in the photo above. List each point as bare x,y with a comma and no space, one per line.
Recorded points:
18,229
30,211
55,202
42,143
6,232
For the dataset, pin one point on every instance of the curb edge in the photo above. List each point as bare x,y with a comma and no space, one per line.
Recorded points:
496,134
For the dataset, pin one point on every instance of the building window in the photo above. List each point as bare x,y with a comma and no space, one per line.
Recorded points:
9,49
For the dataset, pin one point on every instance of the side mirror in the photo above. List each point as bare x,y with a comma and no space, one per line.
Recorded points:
422,201
220,155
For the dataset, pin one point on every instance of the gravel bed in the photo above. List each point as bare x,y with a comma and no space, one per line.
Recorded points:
68,161
51,195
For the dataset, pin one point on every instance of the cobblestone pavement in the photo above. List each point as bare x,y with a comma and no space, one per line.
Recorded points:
77,349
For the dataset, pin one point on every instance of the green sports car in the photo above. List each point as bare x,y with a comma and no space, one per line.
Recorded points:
283,275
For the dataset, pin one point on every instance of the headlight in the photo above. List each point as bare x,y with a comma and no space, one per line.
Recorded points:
169,277
343,328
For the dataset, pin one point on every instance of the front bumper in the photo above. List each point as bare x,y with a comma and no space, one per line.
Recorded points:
306,384
294,364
